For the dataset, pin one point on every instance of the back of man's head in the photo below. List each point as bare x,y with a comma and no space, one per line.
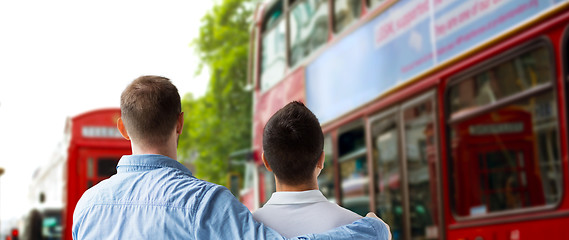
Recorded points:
150,107
293,143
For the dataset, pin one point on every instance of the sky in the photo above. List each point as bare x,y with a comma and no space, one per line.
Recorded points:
60,58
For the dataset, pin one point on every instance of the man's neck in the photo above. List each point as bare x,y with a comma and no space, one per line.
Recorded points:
281,187
165,151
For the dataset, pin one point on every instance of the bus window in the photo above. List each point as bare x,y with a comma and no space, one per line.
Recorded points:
326,177
503,177
505,157
420,152
374,3
501,81
387,163
51,224
308,28
268,184
346,12
234,183
273,59
106,167
249,195
353,170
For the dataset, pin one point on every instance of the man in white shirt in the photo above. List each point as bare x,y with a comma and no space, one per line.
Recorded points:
293,146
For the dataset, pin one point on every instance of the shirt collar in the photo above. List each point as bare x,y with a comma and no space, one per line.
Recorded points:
147,162
310,196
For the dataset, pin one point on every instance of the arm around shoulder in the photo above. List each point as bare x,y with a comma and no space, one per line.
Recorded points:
220,216
365,228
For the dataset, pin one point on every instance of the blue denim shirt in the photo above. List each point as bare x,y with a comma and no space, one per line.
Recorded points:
155,197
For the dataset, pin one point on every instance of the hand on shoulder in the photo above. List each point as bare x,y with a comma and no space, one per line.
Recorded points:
372,215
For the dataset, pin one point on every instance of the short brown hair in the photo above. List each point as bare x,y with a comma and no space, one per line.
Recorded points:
150,107
293,143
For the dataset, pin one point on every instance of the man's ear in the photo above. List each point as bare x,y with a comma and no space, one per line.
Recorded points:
180,123
320,163
122,129
266,163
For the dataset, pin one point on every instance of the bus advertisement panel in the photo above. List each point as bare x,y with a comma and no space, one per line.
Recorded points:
404,41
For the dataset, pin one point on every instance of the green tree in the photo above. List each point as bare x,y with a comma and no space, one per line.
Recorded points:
219,123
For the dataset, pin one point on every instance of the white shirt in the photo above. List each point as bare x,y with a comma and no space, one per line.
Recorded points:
298,213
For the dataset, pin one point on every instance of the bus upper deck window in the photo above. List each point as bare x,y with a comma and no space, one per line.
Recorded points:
345,13
273,59
502,80
308,28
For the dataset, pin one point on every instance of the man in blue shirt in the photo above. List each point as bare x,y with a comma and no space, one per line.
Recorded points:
152,196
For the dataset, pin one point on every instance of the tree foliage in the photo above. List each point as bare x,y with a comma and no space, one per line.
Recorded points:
219,123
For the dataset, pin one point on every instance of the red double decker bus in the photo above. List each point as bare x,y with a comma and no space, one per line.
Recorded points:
446,118
88,154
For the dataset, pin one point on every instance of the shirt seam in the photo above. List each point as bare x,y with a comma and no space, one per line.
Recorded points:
138,203
145,165
153,165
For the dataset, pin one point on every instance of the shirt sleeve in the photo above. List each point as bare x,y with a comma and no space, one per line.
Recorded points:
365,228
220,216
